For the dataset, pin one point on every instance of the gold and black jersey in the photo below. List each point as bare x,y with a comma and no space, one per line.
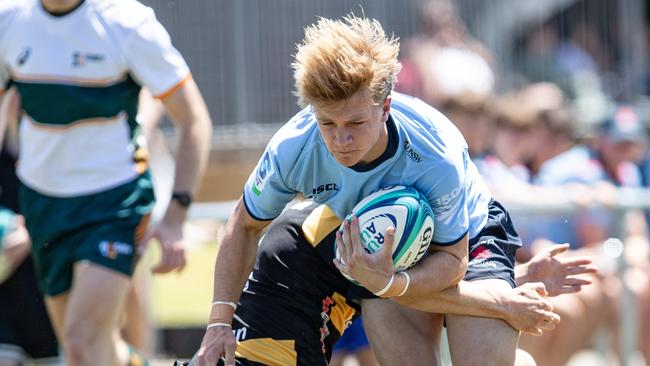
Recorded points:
294,307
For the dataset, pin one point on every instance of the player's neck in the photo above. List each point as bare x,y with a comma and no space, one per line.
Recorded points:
60,6
380,148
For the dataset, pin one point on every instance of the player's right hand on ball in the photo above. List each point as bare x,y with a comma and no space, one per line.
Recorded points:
528,309
218,342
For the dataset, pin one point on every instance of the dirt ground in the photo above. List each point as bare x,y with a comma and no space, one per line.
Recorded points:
226,174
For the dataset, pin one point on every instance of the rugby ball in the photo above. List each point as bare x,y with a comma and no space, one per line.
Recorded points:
405,209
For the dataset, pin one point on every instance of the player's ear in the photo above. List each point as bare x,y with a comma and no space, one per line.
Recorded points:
386,107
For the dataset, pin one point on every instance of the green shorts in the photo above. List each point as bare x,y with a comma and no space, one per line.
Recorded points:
103,228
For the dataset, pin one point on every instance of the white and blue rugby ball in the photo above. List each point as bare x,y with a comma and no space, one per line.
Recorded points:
404,208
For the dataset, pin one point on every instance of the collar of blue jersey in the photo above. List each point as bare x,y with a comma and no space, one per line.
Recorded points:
391,149
63,13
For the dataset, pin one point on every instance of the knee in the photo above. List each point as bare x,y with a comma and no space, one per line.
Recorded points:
78,346
73,348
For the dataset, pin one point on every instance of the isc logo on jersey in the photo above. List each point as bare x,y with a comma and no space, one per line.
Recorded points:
404,208
264,171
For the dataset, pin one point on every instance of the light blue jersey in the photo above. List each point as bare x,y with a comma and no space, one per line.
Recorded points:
425,151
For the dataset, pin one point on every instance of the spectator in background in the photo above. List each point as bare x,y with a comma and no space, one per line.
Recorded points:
470,112
559,161
505,170
581,52
447,68
536,60
620,147
444,60
582,59
569,63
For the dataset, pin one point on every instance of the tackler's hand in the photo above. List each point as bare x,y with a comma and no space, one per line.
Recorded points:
528,310
560,274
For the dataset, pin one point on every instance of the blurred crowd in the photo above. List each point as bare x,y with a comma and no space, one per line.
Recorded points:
540,144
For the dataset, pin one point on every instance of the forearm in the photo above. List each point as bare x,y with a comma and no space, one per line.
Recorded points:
192,153
234,263
466,298
190,114
521,274
435,273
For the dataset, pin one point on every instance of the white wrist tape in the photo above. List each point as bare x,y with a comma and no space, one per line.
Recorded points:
212,325
229,303
408,282
381,292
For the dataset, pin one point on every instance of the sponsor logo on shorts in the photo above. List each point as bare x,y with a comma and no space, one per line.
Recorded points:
325,315
482,252
481,255
111,249
263,173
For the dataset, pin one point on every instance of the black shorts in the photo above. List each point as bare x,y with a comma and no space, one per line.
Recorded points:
24,324
492,251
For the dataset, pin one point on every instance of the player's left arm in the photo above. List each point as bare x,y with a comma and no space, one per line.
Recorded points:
188,110
157,65
442,269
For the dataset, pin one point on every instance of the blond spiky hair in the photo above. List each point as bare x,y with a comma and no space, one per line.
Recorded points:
339,57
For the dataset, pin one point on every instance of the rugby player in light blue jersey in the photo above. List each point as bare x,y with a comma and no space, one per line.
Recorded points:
354,136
